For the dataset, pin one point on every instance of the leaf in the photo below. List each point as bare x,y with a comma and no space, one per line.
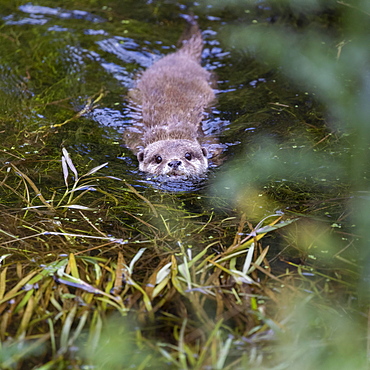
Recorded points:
160,286
184,271
259,260
69,162
24,300
32,184
26,316
174,278
147,302
118,283
65,333
198,256
113,178
248,259
268,228
136,258
80,326
94,333
73,266
32,207
163,272
95,169
3,282
65,171
76,206
17,289
84,187
240,277
223,354
2,257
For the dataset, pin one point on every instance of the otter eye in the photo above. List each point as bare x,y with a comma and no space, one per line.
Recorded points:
158,159
188,156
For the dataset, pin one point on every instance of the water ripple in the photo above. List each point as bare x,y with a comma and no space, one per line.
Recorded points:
125,50
61,13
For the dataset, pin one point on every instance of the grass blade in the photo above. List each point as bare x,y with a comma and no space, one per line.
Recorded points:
70,163
95,169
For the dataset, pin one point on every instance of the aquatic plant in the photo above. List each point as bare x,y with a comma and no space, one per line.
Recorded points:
261,268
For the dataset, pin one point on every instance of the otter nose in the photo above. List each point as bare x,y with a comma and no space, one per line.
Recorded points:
174,164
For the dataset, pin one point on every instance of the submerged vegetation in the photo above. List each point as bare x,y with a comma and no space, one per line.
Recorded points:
203,282
265,267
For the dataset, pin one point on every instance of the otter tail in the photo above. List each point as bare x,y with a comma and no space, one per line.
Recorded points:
192,39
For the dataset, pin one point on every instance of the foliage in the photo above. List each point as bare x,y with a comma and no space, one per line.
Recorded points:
261,271
322,48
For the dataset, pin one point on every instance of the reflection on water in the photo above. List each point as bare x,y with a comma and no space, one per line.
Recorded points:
127,51
182,184
36,11
109,117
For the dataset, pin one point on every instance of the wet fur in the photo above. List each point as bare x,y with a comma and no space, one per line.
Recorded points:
169,100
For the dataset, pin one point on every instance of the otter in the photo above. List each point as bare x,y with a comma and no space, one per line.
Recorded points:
169,103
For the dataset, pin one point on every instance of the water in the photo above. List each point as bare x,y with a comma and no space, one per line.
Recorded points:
57,61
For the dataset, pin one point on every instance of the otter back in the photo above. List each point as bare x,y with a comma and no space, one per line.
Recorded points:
169,100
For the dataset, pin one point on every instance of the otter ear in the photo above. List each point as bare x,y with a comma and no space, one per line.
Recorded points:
140,156
204,151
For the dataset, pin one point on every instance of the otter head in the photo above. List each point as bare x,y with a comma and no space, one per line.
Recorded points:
173,158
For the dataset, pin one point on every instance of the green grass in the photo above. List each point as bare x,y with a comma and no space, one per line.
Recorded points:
172,288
